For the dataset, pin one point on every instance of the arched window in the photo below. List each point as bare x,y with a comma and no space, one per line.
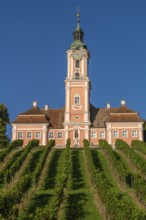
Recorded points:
77,75
77,63
77,99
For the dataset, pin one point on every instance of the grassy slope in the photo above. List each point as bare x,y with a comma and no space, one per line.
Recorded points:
79,202
45,191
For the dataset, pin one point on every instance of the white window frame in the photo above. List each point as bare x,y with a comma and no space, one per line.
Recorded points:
125,134
51,132
38,136
115,134
20,132
134,133
93,134
29,135
59,135
102,134
77,100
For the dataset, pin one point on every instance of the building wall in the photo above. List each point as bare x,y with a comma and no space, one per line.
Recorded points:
107,133
125,131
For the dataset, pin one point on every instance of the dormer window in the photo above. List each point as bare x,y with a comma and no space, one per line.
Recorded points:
77,63
77,75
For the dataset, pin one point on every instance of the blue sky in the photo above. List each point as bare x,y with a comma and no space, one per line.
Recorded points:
34,37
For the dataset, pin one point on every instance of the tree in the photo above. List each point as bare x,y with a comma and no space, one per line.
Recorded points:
4,120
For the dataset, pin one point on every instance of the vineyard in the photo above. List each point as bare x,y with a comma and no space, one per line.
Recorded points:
42,182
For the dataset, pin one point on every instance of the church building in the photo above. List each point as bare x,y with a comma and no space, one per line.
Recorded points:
78,119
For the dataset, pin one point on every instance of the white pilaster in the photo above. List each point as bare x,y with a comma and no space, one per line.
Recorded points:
87,132
44,135
66,133
141,132
71,69
83,68
109,134
86,113
85,63
14,132
68,71
67,108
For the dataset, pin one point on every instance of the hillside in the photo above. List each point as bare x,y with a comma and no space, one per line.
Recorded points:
46,183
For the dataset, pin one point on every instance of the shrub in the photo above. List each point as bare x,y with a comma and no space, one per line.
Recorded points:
86,143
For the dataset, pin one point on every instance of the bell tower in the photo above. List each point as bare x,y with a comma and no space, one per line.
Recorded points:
77,85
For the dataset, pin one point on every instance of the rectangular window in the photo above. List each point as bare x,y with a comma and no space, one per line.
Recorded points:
51,135
134,133
38,135
29,134
93,135
77,63
115,134
102,134
125,133
20,135
77,100
59,135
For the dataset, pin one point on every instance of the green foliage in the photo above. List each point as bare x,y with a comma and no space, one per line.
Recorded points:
10,147
115,161
42,161
117,204
4,120
68,143
139,145
32,144
11,197
120,144
51,143
136,159
5,177
50,210
137,181
86,143
17,143
134,181
102,143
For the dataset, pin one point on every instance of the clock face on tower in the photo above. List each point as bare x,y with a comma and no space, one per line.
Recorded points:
77,55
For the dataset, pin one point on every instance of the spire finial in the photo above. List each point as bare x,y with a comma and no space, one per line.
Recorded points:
78,18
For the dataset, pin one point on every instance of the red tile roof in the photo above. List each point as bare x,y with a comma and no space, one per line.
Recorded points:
122,114
124,118
98,116
53,117
33,111
29,119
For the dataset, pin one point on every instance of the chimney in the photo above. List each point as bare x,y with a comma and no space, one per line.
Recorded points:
35,103
123,102
46,107
108,106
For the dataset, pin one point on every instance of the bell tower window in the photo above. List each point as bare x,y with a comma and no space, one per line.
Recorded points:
77,75
77,99
77,63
